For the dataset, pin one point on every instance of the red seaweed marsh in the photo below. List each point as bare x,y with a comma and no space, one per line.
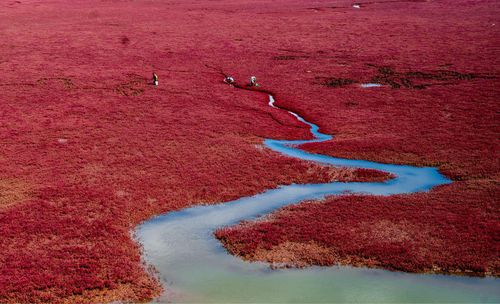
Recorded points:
90,149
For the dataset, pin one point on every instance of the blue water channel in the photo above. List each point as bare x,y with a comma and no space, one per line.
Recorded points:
194,267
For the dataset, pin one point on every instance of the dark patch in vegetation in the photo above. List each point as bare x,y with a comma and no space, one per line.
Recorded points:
133,87
413,79
289,57
333,82
125,40
393,1
13,3
66,82
364,4
317,9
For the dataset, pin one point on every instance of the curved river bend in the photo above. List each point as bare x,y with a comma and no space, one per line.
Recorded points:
194,267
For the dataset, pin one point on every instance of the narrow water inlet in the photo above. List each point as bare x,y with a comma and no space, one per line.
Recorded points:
194,267
370,85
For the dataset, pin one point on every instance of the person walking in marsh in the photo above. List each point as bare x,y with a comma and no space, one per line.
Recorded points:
155,79
253,82
229,80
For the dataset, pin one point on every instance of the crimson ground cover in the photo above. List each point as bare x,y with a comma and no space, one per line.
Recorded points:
426,232
438,107
89,150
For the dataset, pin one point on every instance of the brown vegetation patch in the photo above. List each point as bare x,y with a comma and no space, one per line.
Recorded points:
134,87
295,254
388,231
134,292
13,191
52,82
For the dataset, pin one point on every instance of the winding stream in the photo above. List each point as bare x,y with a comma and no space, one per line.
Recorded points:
194,267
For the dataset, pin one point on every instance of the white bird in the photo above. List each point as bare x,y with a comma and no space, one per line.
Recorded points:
356,6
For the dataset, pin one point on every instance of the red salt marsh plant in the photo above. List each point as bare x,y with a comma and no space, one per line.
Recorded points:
69,237
83,164
447,231
89,149
438,106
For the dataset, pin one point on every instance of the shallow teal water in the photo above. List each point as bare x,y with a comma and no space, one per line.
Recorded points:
194,267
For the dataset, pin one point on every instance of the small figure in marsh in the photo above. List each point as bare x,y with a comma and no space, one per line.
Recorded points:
229,80
253,82
155,79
